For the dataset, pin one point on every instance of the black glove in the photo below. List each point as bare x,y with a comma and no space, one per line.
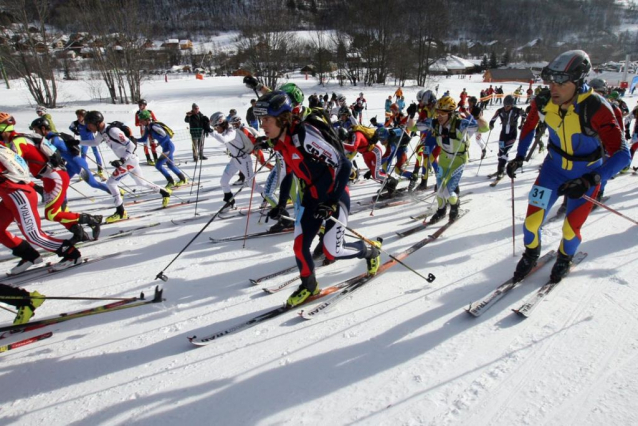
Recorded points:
276,212
262,143
117,163
627,134
368,174
483,153
411,110
576,188
325,210
491,125
252,83
514,165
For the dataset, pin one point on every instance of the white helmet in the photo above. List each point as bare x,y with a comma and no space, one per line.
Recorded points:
41,109
217,119
426,97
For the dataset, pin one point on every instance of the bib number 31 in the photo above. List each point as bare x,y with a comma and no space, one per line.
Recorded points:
539,196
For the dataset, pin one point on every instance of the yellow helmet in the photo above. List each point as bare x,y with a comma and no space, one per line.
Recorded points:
446,103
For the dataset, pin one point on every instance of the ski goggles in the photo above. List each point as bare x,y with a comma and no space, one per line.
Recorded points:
549,76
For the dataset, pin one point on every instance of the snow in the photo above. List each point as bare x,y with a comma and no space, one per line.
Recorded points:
398,352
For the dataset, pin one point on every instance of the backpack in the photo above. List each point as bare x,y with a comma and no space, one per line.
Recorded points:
72,144
15,168
319,120
167,129
125,129
248,144
368,132
53,156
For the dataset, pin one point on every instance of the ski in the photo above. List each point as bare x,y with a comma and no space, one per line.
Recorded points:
533,301
353,284
110,307
495,181
25,342
284,271
180,204
276,288
273,313
431,210
477,308
250,236
420,226
47,269
128,219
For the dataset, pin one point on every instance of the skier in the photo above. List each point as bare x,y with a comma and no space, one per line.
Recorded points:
55,178
19,203
26,302
126,164
71,153
323,171
427,152
581,128
78,128
239,148
509,115
42,113
452,134
363,140
142,107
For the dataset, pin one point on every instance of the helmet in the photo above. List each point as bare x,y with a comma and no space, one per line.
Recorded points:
40,122
614,95
598,84
313,101
218,119
341,98
426,97
80,112
344,110
382,134
232,112
235,120
446,103
144,115
273,104
6,122
294,92
93,117
573,65
41,109
142,102
472,100
394,107
343,134
509,100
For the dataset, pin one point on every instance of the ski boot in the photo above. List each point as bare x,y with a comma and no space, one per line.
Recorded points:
229,200
526,264
149,161
166,196
26,312
101,174
154,157
120,214
454,211
373,257
170,184
413,179
78,234
282,224
440,214
69,254
28,257
307,288
93,221
561,267
182,181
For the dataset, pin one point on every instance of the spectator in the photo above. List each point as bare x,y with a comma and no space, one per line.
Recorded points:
199,129
251,118
42,113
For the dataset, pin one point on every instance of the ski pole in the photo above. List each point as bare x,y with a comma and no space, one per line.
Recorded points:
82,194
161,274
173,163
388,174
8,310
486,145
429,278
513,223
67,298
149,182
598,203
250,203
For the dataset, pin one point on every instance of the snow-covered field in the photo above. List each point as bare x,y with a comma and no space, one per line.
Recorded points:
398,352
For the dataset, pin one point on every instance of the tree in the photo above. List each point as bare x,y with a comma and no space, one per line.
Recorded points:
493,62
321,54
30,56
506,57
485,63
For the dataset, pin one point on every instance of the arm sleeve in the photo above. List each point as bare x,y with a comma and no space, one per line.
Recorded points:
604,123
528,131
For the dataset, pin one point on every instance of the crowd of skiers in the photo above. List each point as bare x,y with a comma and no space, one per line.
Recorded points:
314,149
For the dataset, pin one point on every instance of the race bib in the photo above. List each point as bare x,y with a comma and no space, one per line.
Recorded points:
539,196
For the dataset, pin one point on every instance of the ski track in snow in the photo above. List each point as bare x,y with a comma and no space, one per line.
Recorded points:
399,351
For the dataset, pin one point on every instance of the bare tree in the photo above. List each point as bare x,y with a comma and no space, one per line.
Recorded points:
322,55
30,57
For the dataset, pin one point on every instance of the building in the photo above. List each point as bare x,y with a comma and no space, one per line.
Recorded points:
510,74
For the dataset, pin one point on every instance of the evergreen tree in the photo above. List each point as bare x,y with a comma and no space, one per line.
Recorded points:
506,57
493,62
484,62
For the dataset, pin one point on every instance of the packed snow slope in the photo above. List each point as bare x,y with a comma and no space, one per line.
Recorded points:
398,352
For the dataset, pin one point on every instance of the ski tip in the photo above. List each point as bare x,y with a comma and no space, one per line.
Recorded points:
191,338
253,282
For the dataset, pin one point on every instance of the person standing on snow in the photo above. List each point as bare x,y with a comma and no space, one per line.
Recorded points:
582,128
509,115
199,126
323,171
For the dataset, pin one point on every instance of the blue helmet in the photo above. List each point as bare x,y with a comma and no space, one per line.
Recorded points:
273,104
382,134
